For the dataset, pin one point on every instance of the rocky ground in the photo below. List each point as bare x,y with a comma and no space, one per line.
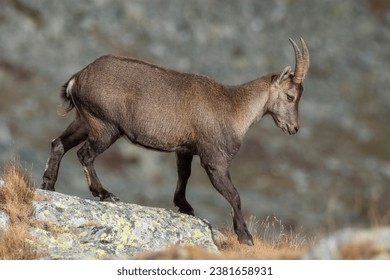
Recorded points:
63,227
84,229
335,173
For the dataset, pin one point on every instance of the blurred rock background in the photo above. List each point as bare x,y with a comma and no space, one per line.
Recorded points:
334,173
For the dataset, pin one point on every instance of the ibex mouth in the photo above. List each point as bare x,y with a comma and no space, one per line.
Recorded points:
289,130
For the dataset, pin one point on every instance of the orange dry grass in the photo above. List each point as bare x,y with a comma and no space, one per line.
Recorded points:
272,241
17,193
358,251
13,245
180,253
16,197
230,249
262,250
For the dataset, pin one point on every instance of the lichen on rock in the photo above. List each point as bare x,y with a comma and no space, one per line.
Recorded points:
76,228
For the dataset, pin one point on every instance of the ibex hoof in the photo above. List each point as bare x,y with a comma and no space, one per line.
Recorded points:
111,198
190,212
114,198
107,198
47,187
247,241
250,243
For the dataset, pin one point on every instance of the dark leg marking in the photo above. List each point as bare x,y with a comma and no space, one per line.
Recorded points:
183,162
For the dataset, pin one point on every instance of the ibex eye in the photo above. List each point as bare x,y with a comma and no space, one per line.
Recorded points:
290,98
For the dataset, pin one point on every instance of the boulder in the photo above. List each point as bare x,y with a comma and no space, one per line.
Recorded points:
70,227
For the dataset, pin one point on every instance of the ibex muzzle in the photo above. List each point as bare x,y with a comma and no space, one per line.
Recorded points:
170,111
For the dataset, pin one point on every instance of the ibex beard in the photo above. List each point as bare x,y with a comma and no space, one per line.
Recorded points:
171,111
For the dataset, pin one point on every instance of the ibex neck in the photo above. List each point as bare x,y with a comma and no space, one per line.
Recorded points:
250,102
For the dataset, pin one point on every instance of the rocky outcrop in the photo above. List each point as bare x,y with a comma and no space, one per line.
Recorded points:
74,228
353,244
325,177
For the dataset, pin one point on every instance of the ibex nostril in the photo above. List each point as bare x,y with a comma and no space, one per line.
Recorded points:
296,128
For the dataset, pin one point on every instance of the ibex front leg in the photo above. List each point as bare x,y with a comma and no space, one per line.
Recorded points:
220,178
183,162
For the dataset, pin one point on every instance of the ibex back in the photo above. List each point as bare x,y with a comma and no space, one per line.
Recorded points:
171,111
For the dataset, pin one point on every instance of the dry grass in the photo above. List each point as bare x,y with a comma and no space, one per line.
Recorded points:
180,253
230,249
358,251
13,245
16,196
17,193
262,250
272,241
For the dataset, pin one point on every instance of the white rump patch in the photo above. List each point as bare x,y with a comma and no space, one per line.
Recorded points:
69,88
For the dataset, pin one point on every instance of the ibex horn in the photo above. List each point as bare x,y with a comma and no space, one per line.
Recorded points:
301,61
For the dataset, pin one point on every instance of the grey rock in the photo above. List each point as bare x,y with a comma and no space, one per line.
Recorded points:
4,221
76,228
323,178
4,218
353,244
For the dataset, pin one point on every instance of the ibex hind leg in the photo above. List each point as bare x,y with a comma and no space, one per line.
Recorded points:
92,147
73,135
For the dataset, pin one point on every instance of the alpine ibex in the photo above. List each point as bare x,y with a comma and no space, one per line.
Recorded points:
170,111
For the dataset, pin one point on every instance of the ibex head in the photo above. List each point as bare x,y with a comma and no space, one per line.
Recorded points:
286,90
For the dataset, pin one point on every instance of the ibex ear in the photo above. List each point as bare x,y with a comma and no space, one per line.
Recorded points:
284,75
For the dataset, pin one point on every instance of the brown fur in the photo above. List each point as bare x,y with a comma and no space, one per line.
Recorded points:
171,111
